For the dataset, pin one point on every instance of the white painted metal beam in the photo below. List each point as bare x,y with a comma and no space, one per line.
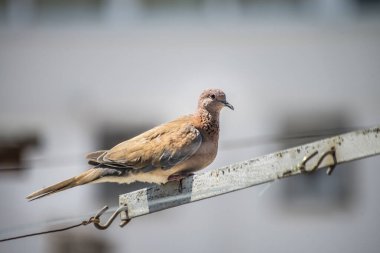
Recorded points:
267,168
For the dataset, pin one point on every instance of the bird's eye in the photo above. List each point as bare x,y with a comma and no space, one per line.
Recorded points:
212,96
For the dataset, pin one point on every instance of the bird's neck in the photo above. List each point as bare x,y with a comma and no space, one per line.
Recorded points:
209,122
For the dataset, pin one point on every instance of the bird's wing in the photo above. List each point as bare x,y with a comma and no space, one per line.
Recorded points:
163,146
93,156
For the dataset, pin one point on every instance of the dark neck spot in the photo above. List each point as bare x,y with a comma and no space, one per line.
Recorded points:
210,122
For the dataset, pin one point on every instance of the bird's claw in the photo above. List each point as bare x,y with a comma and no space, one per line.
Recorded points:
179,178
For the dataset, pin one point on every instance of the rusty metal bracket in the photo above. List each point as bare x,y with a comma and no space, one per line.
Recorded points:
124,219
331,152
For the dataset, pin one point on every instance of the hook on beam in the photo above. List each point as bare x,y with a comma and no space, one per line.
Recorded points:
96,218
330,152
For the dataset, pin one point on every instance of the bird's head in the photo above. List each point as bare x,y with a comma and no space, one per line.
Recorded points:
213,100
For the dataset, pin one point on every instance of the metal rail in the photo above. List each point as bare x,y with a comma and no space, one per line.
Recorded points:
302,159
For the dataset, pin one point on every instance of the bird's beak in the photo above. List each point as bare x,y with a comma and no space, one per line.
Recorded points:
228,105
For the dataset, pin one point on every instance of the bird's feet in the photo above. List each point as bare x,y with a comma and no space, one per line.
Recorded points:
179,177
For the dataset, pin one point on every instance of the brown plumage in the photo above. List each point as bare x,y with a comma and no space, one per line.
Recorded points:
167,152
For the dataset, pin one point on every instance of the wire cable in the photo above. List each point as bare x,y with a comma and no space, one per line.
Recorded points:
45,232
92,219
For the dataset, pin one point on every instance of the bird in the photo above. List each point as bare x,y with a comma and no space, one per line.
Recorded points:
168,152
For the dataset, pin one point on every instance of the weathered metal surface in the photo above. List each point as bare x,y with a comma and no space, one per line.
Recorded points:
348,147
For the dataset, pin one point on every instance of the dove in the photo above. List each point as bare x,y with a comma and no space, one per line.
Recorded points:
168,152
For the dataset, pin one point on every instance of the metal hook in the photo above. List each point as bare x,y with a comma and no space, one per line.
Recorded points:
331,152
96,219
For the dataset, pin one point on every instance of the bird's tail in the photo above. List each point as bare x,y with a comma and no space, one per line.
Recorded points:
84,178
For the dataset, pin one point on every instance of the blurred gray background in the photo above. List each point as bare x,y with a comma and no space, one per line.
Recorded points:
82,75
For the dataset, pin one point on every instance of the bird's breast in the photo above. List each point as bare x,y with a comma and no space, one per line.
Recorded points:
204,155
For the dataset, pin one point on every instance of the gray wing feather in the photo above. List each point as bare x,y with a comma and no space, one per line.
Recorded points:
169,159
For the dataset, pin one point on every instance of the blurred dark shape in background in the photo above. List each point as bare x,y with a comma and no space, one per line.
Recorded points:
74,242
316,193
12,151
